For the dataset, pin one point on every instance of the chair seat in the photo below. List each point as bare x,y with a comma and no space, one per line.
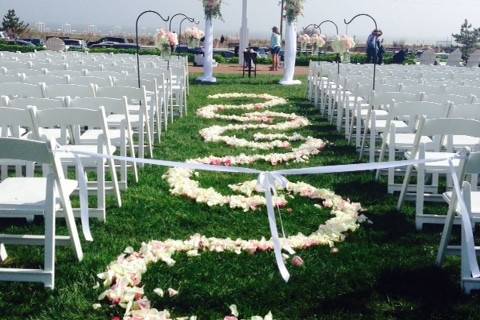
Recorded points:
28,194
461,141
49,133
406,140
91,136
402,127
475,201
380,114
114,120
437,166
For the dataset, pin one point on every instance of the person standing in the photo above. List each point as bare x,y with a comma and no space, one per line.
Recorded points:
372,47
380,47
276,45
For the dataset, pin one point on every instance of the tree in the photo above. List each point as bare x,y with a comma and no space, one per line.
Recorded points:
468,38
12,24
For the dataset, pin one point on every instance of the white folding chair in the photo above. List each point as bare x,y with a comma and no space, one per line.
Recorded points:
120,136
139,117
435,129
72,118
37,196
470,274
394,142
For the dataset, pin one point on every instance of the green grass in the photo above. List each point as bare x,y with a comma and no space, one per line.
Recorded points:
383,271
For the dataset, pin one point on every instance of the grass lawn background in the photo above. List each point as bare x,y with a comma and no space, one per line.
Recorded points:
383,271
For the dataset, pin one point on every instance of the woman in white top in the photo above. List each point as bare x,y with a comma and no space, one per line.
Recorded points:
276,46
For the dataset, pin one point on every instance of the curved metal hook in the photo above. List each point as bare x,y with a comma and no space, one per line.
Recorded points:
152,11
359,15
327,21
136,38
314,26
376,28
180,14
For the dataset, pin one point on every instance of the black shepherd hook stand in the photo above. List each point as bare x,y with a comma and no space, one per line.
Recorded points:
136,39
311,25
376,28
336,29
181,23
183,15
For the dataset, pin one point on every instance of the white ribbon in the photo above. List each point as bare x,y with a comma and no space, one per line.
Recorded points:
466,224
83,194
268,182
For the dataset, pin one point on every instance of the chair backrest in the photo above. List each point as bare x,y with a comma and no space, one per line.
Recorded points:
418,108
26,150
68,117
474,59
132,93
447,97
47,79
386,98
427,89
111,105
472,165
428,57
40,103
69,90
87,80
449,126
466,111
11,119
21,90
455,58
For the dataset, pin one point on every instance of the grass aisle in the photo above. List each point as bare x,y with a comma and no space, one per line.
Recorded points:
382,271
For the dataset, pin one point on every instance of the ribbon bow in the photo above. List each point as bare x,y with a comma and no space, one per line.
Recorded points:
268,183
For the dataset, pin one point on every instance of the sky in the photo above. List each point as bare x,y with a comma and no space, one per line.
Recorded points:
410,20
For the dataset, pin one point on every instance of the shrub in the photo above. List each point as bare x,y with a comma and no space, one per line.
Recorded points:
15,48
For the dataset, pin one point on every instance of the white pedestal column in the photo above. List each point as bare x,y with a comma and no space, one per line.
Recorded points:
243,32
208,51
290,55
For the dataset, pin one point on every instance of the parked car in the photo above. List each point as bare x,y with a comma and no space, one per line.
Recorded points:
263,53
110,40
113,45
18,42
75,44
36,41
224,53
182,49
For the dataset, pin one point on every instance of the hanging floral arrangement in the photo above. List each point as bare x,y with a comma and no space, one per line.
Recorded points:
193,36
212,8
342,45
293,9
318,41
304,40
164,41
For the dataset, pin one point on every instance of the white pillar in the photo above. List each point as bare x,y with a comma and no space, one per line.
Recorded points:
290,55
243,32
208,51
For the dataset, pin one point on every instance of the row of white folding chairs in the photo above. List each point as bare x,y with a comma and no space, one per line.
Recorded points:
25,197
118,121
142,112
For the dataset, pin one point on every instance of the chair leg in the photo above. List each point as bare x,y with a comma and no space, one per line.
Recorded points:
101,189
420,196
447,230
3,253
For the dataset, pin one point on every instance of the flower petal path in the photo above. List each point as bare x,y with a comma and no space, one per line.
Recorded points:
123,278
